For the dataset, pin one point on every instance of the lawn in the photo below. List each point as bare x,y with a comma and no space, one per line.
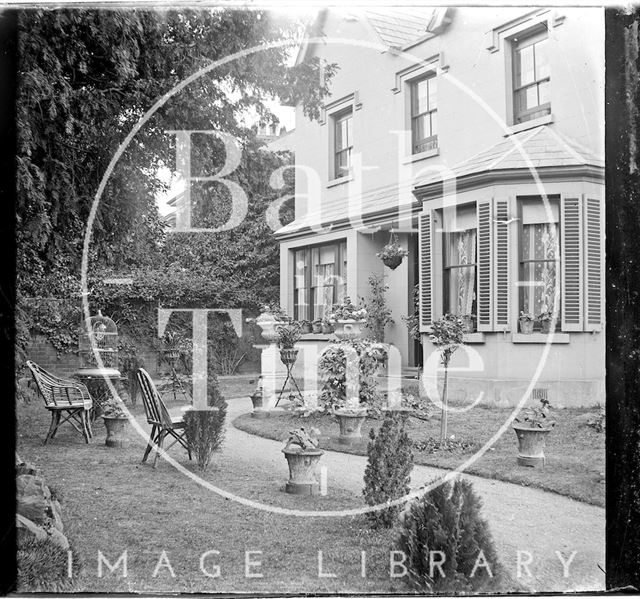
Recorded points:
575,453
112,503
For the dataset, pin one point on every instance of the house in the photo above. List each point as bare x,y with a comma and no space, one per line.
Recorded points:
473,136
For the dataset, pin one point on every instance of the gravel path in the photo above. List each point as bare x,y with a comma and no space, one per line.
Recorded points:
522,519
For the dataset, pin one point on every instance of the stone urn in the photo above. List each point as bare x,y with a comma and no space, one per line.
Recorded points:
348,329
350,422
115,430
531,442
268,323
303,470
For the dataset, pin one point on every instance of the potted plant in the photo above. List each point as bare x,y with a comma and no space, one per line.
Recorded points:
327,326
526,321
348,319
469,323
287,336
173,346
316,327
392,254
305,326
303,455
531,431
269,318
115,419
547,321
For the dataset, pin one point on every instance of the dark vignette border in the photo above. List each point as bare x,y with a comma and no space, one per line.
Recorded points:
8,54
622,213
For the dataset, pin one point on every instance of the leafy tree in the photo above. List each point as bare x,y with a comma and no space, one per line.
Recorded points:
85,78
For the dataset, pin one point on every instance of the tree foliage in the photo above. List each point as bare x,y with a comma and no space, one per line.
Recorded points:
86,77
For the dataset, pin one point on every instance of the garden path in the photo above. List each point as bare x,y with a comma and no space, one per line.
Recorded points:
536,523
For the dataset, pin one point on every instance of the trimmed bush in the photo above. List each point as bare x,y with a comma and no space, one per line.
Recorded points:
205,428
448,520
389,468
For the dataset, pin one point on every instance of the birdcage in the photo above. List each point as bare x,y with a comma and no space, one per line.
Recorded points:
98,335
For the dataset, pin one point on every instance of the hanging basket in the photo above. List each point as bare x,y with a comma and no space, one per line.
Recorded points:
393,261
393,253
288,356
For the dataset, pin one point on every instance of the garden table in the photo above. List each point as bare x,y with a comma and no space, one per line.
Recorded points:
96,380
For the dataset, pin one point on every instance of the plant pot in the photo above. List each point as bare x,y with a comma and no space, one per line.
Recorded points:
526,326
316,328
469,323
327,329
115,430
350,426
531,442
303,471
305,329
393,262
348,329
289,355
545,326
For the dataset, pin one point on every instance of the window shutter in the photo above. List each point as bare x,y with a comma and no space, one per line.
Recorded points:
426,269
571,258
484,261
594,253
501,265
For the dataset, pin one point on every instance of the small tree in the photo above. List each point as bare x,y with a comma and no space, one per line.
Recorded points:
447,334
378,312
388,471
449,520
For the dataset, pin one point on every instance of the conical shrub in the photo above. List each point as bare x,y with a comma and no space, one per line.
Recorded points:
388,470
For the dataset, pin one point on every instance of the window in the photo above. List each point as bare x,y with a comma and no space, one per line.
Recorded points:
539,257
530,78
342,143
320,279
459,262
424,133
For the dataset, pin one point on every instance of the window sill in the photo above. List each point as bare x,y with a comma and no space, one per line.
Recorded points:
316,337
340,181
421,156
540,338
543,120
474,337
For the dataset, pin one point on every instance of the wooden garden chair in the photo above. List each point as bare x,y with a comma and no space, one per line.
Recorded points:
162,423
63,395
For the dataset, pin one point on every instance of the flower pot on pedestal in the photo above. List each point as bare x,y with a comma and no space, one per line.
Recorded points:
303,470
531,442
115,430
288,356
348,329
350,422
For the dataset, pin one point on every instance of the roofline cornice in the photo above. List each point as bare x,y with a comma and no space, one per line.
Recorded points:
510,176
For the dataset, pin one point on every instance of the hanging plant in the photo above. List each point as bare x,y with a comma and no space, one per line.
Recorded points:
393,253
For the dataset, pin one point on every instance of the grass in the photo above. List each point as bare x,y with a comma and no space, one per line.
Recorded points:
112,503
575,453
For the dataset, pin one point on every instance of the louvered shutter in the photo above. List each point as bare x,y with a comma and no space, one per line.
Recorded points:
426,269
485,267
594,254
571,259
502,294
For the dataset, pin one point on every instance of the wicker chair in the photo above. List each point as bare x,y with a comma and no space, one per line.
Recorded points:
63,395
162,423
